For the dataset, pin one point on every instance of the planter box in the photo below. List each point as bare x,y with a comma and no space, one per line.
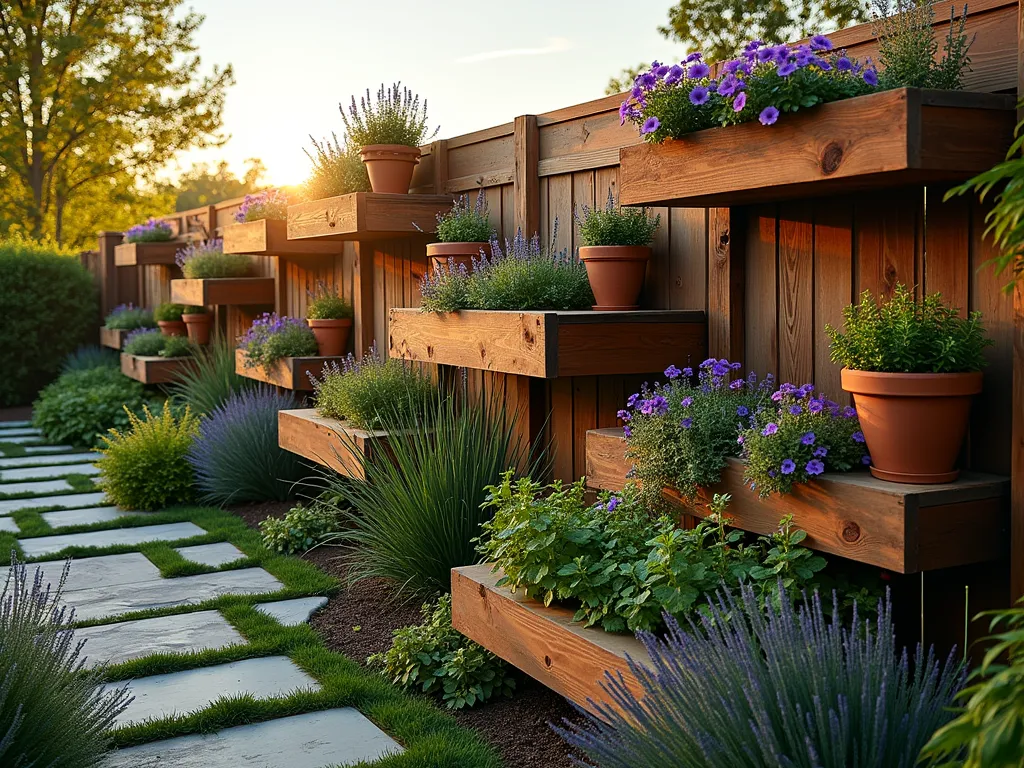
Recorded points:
896,138
112,338
223,291
139,254
903,528
270,238
550,344
328,442
366,216
288,372
154,370
542,642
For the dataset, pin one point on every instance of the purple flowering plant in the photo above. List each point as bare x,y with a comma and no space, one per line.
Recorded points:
269,204
128,317
205,259
153,231
798,436
465,223
765,81
271,338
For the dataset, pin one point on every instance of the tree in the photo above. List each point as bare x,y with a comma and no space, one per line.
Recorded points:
201,186
92,90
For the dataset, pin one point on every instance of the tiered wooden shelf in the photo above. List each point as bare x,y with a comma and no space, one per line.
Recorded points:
113,338
224,291
366,216
270,238
288,372
542,642
550,344
890,139
140,254
329,442
902,528
154,370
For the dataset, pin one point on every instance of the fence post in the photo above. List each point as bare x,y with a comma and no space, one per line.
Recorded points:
725,287
118,285
526,182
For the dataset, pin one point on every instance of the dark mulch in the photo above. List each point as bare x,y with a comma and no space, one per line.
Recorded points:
358,621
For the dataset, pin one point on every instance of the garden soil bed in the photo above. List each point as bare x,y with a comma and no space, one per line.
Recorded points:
370,605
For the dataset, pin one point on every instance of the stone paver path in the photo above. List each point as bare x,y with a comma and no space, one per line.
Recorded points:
20,439
15,424
43,449
48,545
291,613
213,555
67,501
46,472
36,488
18,432
63,518
45,459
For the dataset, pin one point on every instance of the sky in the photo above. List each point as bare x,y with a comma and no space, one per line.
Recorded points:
478,63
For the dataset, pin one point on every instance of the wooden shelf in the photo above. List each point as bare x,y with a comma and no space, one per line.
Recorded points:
224,291
288,372
270,238
542,642
154,370
551,344
366,216
139,254
903,528
895,138
113,338
328,442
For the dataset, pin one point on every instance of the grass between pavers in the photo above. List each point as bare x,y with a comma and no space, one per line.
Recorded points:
78,483
12,450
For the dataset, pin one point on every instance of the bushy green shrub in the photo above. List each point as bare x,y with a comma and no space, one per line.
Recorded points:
206,260
272,337
326,304
395,117
145,342
908,53
48,304
211,381
52,711
300,529
463,224
79,407
127,318
144,467
168,312
89,357
615,225
436,659
177,346
337,170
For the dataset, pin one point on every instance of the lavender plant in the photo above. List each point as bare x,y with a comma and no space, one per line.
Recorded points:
153,231
127,317
206,259
337,170
177,346
144,342
53,711
270,204
908,51
615,225
801,436
394,117
745,687
271,338
465,224
326,304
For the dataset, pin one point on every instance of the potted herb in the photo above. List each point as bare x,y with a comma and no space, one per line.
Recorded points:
197,323
272,338
205,260
145,342
616,248
153,231
270,204
388,132
127,317
464,234
168,317
330,318
177,346
912,369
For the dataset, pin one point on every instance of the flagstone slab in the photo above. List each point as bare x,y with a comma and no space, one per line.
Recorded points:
179,693
106,571
15,424
21,439
50,471
47,545
6,432
313,740
213,555
8,524
49,448
49,459
38,487
184,633
67,501
88,516
291,613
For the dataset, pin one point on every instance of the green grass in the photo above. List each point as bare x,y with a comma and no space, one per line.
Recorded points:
12,450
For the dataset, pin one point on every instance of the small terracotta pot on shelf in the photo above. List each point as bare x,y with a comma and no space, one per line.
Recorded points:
914,423
172,327
198,326
458,253
390,166
616,274
331,335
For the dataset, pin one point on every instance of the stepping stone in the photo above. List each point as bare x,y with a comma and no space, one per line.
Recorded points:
18,432
331,737
213,555
47,448
87,516
15,424
41,460
101,602
41,473
106,571
43,486
22,439
179,693
68,501
47,545
291,613
8,524
185,633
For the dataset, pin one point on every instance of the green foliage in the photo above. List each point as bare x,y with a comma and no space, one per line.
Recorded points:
989,729
145,344
623,81
272,338
615,225
336,170
89,357
128,318
48,303
168,312
463,224
202,184
369,392
80,406
436,659
902,336
623,568
144,467
51,712
211,264
395,117
212,379
326,304
177,346
300,529
908,50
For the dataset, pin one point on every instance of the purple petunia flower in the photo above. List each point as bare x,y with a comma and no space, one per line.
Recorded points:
814,467
661,70
743,411
720,369
613,502
843,64
865,459
686,423
787,69
692,57
737,384
624,415
821,43
739,103
870,77
672,372
857,437
631,400
768,116
686,402
769,429
815,406
821,452
687,372
848,412
788,467
675,74
730,67
777,396
729,84
647,81
651,124
808,438
698,70
740,439
765,55
627,432
699,95
795,410
753,45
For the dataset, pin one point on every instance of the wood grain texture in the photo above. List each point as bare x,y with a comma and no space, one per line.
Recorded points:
154,370
268,237
112,338
288,373
328,442
527,182
140,254
903,528
725,286
224,291
366,216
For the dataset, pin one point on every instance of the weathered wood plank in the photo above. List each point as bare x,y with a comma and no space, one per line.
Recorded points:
224,291
154,370
288,373
113,338
527,182
365,216
268,237
141,254
328,442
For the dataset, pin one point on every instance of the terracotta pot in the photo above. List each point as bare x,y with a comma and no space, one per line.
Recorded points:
616,274
913,423
458,253
198,325
171,327
331,336
390,166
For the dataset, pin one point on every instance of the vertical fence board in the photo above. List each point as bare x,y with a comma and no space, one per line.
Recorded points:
833,288
796,294
762,339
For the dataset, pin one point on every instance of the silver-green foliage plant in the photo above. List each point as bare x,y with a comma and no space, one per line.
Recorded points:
465,224
210,380
908,50
326,304
436,659
396,116
786,687
53,712
616,225
127,318
207,260
300,529
337,170
145,342
177,346
904,336
90,356
271,338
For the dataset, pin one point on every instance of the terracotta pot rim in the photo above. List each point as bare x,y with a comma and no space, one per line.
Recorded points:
391,151
338,323
195,317
912,384
615,252
162,323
